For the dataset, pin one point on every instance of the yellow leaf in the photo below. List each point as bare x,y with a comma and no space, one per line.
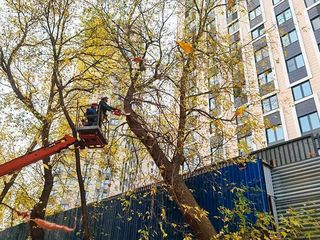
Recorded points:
218,124
67,61
230,4
240,111
164,234
185,46
163,214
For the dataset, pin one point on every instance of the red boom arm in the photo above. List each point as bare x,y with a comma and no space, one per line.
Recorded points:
36,155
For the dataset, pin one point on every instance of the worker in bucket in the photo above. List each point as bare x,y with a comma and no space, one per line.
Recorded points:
92,115
104,107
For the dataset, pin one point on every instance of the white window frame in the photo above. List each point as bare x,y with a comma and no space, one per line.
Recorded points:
257,32
233,28
271,102
289,38
261,54
293,63
284,16
265,77
255,13
275,130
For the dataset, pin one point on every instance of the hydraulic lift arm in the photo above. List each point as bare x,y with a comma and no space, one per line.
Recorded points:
36,155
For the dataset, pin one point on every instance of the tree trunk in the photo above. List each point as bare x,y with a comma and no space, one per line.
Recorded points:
84,209
193,214
39,209
189,208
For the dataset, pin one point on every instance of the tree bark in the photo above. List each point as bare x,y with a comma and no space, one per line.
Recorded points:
39,209
193,214
84,209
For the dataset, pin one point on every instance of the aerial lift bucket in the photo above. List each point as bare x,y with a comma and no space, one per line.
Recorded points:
92,129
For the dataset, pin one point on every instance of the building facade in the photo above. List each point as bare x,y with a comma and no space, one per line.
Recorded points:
280,42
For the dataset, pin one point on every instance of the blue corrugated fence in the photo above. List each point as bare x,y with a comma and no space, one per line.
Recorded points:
109,219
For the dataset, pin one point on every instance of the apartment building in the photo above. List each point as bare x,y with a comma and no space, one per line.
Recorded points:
281,42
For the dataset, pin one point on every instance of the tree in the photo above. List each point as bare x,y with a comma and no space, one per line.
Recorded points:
39,52
161,76
17,34
163,85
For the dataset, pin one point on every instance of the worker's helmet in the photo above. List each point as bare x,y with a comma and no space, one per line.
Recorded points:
94,105
104,98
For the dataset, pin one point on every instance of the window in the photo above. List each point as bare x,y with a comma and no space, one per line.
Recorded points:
216,153
212,103
284,16
289,38
309,122
234,46
274,134
233,28
316,23
242,118
232,11
261,54
245,144
270,103
265,77
193,160
295,63
257,32
255,13
211,21
302,90
276,2
310,2
214,80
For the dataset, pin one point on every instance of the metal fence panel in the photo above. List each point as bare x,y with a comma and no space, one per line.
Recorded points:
292,151
109,219
297,187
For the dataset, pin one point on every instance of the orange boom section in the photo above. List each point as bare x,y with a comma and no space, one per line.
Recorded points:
32,157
